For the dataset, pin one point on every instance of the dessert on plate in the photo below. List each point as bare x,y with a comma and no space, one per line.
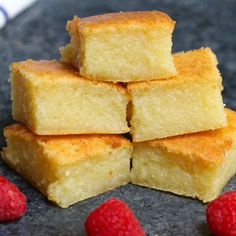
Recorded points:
118,74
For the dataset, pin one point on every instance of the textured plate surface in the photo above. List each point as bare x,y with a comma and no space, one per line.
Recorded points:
40,30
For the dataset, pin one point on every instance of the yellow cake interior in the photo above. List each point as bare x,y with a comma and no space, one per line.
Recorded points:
68,169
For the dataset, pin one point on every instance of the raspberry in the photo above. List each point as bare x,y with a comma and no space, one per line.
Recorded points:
221,214
113,217
12,201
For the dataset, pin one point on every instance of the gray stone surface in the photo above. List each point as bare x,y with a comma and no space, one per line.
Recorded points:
39,31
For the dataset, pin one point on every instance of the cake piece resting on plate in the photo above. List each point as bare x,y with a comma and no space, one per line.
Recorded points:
127,46
195,165
68,169
51,98
189,102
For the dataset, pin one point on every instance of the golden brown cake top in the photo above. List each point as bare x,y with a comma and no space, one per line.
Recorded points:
194,65
196,62
208,148
43,68
53,70
68,149
155,19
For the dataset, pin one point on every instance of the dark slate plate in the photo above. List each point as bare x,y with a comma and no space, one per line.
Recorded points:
39,31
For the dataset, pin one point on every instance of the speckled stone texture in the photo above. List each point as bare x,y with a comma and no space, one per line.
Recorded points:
39,31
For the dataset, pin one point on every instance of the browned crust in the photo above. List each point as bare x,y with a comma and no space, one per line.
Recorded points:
199,61
208,148
52,69
119,19
113,140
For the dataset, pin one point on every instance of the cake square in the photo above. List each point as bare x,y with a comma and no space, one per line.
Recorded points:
68,169
122,47
189,102
196,165
51,98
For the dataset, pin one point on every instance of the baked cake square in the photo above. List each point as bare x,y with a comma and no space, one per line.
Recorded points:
122,47
68,169
189,102
51,98
195,165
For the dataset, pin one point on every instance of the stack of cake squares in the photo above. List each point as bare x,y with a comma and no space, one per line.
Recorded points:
118,74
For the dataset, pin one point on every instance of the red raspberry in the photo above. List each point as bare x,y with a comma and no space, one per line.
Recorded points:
113,217
221,214
12,201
